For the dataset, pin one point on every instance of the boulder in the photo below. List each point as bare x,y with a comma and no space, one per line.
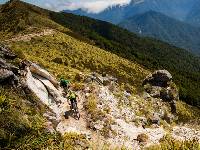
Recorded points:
55,93
159,85
158,78
155,119
94,77
38,88
7,53
5,65
142,138
155,91
34,68
9,56
169,94
6,75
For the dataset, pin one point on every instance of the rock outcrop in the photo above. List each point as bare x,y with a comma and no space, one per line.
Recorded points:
160,78
34,68
45,86
8,72
159,84
6,53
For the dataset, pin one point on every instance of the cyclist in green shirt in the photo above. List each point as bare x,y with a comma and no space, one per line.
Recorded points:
73,100
65,84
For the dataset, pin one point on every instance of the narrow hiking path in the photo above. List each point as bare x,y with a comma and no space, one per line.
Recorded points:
28,37
72,124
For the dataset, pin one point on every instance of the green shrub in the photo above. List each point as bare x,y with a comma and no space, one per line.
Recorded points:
142,137
169,143
73,141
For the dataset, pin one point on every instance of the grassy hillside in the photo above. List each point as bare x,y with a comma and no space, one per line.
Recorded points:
21,113
61,54
150,53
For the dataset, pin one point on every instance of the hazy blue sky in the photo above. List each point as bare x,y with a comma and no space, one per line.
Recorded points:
94,6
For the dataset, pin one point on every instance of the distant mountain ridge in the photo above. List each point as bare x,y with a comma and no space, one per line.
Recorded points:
176,22
177,9
162,27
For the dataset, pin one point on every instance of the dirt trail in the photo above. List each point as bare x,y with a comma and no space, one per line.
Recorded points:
72,124
28,37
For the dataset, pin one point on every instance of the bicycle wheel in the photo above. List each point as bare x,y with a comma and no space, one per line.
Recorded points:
76,112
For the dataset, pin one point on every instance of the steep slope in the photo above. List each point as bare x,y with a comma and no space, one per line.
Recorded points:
162,27
112,111
148,52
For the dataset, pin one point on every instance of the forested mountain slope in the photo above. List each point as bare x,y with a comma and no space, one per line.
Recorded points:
162,27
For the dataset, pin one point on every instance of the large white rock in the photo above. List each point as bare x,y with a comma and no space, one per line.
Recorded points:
34,68
38,88
46,92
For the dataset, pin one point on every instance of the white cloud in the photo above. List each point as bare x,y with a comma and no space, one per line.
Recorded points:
95,6
92,6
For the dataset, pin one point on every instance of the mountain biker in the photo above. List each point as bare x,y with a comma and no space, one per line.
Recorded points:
65,84
73,99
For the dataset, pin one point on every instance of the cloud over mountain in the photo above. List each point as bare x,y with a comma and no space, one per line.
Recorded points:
91,6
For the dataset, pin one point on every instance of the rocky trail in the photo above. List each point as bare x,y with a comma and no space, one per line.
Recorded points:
72,124
47,89
28,37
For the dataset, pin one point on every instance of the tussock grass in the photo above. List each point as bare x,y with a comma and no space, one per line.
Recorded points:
20,119
167,143
75,56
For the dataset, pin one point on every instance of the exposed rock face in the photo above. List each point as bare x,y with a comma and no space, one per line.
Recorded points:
5,75
101,80
159,78
7,72
6,53
159,85
43,73
43,84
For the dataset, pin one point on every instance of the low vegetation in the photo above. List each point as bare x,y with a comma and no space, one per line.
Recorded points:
168,142
73,141
187,114
20,114
74,55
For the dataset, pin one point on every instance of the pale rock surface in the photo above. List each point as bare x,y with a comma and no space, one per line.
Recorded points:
185,133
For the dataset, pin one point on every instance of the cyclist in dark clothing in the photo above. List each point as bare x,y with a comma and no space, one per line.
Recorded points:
65,84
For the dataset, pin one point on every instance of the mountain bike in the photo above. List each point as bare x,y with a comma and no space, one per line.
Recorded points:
75,111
